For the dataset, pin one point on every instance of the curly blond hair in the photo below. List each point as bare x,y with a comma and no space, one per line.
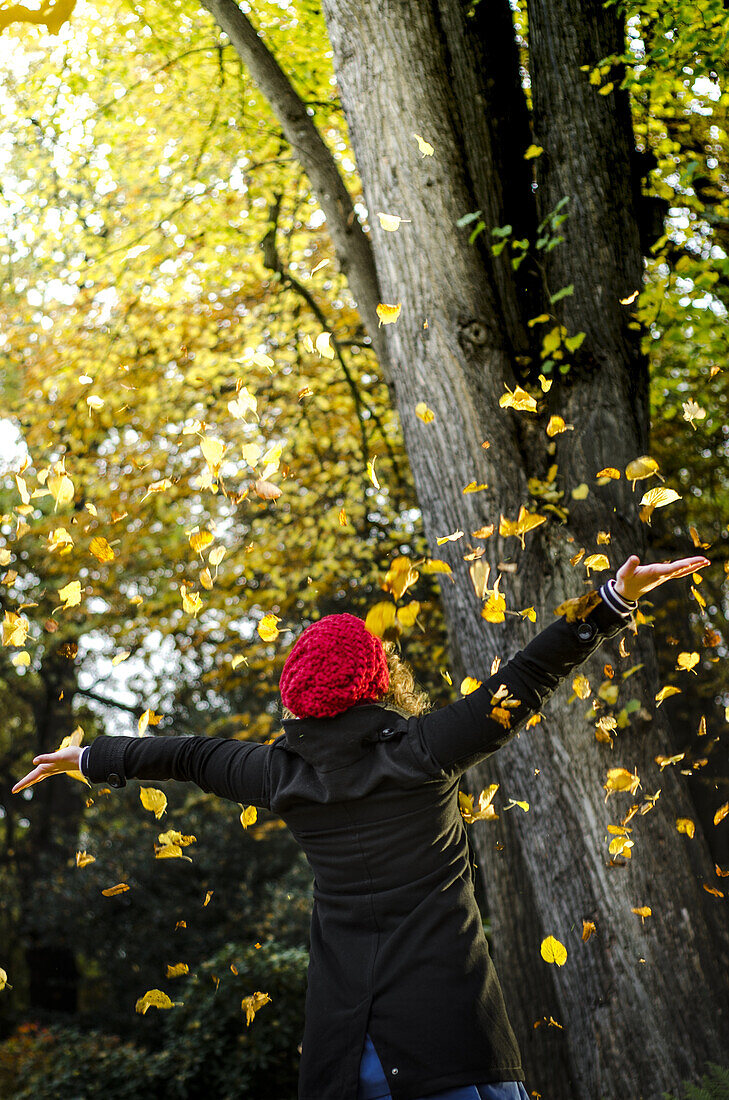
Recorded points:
402,695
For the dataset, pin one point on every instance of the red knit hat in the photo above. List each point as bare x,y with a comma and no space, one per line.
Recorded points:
333,664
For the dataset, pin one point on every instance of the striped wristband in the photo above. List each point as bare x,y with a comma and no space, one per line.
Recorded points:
614,600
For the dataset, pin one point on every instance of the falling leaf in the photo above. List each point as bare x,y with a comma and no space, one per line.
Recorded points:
424,146
598,562
483,532
580,492
608,472
450,538
15,629
540,320
399,577
721,813
212,450
154,998
61,486
552,951
249,816
323,345
112,891
664,693
630,299
525,522
546,384
692,411
533,151
267,628
712,890
4,979
407,615
388,313
581,687
474,487
685,825
424,413
252,1004
621,846
483,810
494,608
588,929
435,565
83,859
557,425
153,800
579,607
519,400
469,684
380,617
71,594
665,761
642,467
390,222
170,851
528,613
620,779
207,898
371,472
266,490
342,517
95,402
720,873
191,602
643,912
659,497
175,970
200,540
686,661
515,802
244,402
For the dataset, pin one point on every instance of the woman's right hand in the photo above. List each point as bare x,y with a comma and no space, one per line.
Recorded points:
51,763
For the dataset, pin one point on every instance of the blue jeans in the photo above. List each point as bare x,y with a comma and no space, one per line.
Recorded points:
373,1084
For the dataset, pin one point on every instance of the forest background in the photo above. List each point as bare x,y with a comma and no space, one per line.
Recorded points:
203,450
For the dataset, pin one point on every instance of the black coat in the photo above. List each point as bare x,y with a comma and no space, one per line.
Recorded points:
397,942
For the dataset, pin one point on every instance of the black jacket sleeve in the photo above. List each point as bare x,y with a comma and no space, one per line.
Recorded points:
458,736
233,769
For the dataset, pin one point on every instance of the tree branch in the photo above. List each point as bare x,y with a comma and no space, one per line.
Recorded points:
352,247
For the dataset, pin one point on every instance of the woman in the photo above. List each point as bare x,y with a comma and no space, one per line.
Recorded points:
403,999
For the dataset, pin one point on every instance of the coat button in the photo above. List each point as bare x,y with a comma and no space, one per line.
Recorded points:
115,780
394,1071
586,631
386,734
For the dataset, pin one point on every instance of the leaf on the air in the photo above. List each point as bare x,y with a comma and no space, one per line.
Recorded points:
581,687
391,222
475,487
659,497
172,836
381,617
266,490
712,890
620,779
267,629
112,891
494,609
686,661
70,594
483,532
515,802
664,693
598,562
517,399
388,313
149,718
153,800
60,485
630,299
4,979
483,810
175,970
533,151
243,403
588,929
249,816
434,565
552,951
101,550
522,525
608,472
424,146
252,1004
15,629
469,684
557,425
581,491
170,851
424,413
191,601
721,813
449,538
579,607
157,487
371,472
407,615
83,859
212,450
643,911
208,896
665,761
323,345
200,540
154,998
546,384
399,577
692,411
528,613
639,468
685,825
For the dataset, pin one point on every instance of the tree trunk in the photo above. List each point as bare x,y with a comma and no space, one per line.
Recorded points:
642,1004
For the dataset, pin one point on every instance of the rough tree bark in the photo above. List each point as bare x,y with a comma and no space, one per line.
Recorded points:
642,1005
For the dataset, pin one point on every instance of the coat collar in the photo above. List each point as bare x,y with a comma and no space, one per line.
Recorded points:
328,743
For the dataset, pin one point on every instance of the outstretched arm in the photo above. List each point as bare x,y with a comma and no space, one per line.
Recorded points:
458,736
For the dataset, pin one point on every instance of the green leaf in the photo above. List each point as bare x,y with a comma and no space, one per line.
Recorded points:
563,293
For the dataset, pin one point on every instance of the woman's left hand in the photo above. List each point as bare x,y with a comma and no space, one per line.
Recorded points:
633,580
51,763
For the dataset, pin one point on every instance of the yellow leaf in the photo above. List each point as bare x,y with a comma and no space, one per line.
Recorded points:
698,597
95,402
4,979
556,425
424,413
515,802
249,816
581,687
692,411
170,851
238,660
522,525
546,384
83,859
540,320
494,608
407,615
640,468
643,911
609,472
200,540
435,565
323,345
149,718
483,810
588,928
244,402
664,761
665,692
552,951
483,532
529,613
176,969
206,579
267,628
154,998
112,891
598,562
606,88
71,594
712,890
685,825
388,313
101,550
251,453
371,472
659,497
721,813
621,846
157,487
469,684
449,538
533,151
22,659
212,450
390,222
252,1004
207,898
191,602
686,661
424,146
266,490
620,779
380,617
271,460
15,629
519,400
399,577
474,487
61,487
153,800
580,492
631,298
